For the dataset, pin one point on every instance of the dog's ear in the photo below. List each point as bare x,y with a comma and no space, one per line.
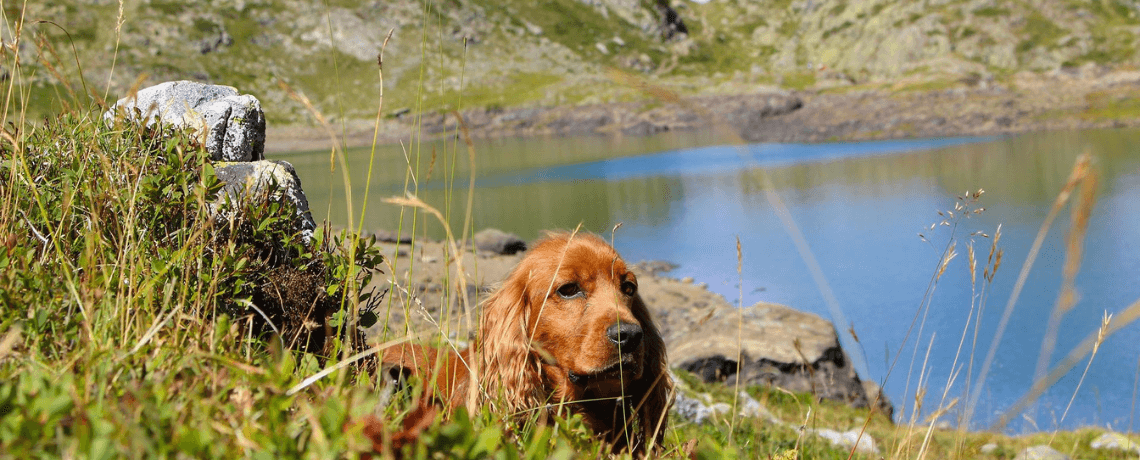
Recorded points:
508,372
655,387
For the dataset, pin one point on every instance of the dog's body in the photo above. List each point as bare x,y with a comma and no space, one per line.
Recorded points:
566,331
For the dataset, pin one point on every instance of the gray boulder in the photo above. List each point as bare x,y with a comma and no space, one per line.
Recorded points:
778,347
230,125
1041,453
271,181
499,242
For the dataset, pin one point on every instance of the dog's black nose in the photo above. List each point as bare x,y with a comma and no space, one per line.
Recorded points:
626,336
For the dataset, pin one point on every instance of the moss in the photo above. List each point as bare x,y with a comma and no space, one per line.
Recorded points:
1111,11
789,28
991,12
799,80
514,91
1112,105
927,86
837,29
1039,31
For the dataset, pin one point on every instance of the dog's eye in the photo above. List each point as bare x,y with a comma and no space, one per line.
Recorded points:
569,290
628,288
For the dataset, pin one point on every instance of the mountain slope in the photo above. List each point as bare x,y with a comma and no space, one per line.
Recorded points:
488,53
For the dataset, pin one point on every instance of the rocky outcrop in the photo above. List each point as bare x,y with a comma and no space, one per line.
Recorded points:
774,345
230,125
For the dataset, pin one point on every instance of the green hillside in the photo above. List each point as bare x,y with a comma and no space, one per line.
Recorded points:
507,53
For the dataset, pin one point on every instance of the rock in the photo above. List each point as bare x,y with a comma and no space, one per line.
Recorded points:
230,125
779,347
1114,441
873,390
273,181
1040,453
388,236
696,411
499,242
989,448
692,409
862,443
751,408
655,267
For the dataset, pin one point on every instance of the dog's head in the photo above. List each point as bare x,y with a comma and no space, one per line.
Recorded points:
568,325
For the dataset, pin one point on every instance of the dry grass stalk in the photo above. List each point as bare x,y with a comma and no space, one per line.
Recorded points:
1129,315
1076,176
739,338
1074,250
1096,347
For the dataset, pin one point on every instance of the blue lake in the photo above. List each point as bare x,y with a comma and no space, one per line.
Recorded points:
860,207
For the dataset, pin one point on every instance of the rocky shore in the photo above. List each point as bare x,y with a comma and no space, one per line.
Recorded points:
1081,98
780,346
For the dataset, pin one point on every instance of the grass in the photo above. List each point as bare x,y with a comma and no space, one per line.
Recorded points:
138,323
1106,105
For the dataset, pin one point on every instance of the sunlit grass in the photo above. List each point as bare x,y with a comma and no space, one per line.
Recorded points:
128,328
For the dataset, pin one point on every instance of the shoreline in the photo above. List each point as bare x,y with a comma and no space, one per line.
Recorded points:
1025,102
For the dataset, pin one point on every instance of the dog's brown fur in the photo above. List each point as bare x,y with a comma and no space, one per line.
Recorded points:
539,347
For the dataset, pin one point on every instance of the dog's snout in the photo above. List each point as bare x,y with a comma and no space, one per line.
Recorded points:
627,336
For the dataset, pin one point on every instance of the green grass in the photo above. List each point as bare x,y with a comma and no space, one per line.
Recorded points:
1112,105
127,328
799,80
1039,31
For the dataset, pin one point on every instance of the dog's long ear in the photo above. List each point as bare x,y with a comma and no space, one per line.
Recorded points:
507,372
655,386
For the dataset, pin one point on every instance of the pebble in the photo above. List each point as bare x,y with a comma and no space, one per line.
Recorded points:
1114,441
1041,453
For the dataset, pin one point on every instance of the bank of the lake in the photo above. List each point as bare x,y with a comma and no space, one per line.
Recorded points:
1025,102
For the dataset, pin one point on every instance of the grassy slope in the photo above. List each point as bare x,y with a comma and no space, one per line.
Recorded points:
525,53
122,333
125,333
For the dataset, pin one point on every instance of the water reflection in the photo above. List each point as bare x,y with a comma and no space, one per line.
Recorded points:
860,207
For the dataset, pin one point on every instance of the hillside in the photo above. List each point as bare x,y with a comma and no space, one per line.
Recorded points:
518,53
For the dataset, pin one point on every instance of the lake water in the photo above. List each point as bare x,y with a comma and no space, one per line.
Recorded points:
860,207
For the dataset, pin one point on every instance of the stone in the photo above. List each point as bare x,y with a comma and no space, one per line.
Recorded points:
851,438
751,408
778,346
1041,453
388,236
499,242
273,181
691,409
1114,441
989,448
231,126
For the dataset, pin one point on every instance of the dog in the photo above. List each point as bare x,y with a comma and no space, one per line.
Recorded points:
566,332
